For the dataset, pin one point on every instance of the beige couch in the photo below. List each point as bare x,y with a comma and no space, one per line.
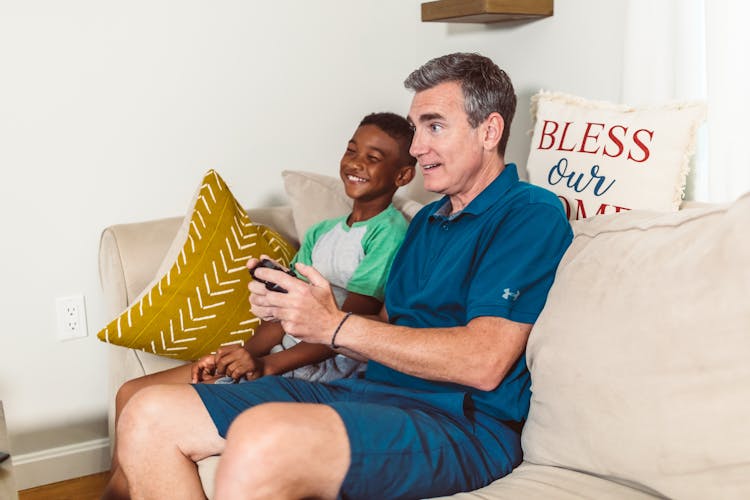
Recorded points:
639,361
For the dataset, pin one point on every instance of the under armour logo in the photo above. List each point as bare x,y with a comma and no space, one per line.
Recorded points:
508,295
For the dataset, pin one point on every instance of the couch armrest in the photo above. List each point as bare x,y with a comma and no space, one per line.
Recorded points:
129,255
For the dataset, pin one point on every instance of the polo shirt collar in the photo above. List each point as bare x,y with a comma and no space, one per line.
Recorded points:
484,200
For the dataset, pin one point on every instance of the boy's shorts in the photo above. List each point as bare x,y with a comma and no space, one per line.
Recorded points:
404,443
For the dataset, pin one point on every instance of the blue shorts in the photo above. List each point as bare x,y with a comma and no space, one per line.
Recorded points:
404,443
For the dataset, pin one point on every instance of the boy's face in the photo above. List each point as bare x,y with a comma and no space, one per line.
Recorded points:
371,164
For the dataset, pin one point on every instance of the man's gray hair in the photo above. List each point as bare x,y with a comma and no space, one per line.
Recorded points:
486,88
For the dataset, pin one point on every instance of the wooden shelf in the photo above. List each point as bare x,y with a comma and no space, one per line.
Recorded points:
485,11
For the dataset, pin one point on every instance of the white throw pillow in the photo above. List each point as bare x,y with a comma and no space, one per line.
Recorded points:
602,158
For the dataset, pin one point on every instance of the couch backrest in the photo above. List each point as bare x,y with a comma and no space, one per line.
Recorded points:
639,361
316,197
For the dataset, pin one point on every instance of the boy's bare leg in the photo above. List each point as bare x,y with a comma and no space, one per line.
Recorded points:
162,432
284,450
117,487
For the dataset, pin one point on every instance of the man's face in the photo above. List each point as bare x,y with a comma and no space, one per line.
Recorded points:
448,149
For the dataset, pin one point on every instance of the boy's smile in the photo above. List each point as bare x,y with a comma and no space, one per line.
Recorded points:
354,178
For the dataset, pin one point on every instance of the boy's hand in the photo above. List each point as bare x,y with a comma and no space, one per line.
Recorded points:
234,361
203,369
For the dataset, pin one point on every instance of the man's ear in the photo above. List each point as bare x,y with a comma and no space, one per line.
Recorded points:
493,126
404,175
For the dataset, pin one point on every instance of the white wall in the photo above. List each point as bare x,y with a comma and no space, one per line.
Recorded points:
111,111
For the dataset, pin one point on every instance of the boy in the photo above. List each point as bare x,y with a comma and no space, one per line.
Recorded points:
354,252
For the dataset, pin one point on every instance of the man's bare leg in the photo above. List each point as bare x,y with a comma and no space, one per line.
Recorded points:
117,487
162,432
284,450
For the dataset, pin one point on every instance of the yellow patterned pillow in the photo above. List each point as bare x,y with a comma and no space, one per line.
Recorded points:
201,302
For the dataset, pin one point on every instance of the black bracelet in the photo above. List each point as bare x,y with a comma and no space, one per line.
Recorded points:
336,332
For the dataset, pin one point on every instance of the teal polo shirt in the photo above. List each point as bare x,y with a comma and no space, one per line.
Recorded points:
497,257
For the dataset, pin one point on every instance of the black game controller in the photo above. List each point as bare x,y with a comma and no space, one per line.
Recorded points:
270,285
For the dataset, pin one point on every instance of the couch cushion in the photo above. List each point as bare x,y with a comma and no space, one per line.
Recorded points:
527,482
539,482
199,299
639,360
605,158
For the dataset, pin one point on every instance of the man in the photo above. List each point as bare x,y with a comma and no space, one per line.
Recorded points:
446,389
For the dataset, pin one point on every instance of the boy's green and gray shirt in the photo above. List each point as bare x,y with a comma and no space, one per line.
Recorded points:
353,259
357,258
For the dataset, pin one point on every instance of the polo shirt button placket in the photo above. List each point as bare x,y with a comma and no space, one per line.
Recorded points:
444,225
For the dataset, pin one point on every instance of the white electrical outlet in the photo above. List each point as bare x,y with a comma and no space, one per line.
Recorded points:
71,317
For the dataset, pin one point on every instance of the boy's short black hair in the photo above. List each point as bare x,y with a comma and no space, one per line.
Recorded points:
397,128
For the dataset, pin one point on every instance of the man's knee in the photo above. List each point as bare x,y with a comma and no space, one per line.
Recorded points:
125,393
292,429
307,444
278,427
263,428
145,412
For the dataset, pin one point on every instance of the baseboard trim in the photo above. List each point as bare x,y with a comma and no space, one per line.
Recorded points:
61,463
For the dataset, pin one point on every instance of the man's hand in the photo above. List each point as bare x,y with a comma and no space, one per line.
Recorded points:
258,287
308,311
234,361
